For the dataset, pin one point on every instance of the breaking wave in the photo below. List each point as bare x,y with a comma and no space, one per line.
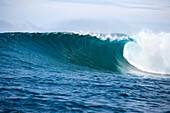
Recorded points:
105,52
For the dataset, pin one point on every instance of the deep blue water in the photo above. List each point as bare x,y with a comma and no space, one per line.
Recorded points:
67,72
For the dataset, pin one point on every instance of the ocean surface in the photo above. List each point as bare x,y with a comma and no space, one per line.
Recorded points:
84,72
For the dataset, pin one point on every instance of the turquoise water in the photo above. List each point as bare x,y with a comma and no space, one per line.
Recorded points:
69,72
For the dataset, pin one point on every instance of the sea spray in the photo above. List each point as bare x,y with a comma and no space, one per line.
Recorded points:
149,52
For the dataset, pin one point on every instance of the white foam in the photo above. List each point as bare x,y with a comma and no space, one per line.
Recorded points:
151,52
109,36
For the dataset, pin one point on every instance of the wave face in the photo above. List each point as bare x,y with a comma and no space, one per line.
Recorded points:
102,52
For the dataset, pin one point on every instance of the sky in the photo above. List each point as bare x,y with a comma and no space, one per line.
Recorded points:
107,16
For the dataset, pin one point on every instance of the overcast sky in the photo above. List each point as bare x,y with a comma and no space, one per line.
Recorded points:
127,16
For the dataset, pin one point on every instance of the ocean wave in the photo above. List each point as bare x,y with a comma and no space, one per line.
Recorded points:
114,52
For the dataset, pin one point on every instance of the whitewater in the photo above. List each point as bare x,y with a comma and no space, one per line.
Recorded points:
84,72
